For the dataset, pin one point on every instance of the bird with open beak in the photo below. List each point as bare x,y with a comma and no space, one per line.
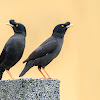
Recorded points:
13,49
47,51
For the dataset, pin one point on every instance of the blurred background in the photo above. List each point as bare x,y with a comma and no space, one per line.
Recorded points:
78,64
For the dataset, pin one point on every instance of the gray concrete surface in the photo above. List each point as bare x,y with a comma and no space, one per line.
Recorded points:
30,89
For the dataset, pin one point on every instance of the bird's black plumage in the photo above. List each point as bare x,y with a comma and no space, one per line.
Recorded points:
48,50
14,47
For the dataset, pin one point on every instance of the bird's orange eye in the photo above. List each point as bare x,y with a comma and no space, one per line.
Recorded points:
62,26
16,25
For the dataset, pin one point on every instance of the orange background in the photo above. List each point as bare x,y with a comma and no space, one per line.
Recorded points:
78,64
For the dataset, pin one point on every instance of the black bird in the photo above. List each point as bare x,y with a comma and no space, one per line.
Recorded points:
13,49
47,51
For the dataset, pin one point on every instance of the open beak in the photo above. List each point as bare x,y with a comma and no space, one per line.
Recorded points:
9,24
69,25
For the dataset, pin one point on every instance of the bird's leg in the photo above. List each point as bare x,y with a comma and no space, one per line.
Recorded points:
46,73
41,73
9,74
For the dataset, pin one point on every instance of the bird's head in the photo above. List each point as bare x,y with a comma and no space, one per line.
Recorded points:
60,29
17,27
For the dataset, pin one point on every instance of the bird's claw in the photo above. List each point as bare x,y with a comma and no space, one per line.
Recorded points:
52,78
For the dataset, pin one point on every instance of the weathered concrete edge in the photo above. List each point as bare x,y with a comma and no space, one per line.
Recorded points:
28,79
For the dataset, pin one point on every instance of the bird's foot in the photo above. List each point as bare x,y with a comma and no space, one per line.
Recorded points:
43,78
52,78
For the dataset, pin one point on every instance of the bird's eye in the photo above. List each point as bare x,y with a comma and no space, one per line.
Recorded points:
16,25
62,26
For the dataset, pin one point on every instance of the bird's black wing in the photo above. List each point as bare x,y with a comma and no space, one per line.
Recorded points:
2,56
45,48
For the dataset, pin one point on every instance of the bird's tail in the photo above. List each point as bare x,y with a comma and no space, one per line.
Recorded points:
27,67
1,72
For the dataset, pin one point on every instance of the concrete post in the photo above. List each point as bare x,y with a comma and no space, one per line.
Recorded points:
30,89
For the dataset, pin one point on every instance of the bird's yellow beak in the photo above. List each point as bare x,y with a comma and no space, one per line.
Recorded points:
69,25
9,24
